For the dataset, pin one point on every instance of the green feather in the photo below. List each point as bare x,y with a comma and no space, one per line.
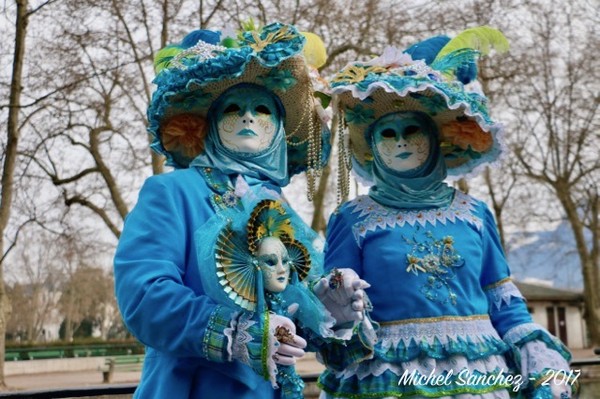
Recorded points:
249,25
164,56
482,39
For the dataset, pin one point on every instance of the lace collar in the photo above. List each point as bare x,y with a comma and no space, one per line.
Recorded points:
373,216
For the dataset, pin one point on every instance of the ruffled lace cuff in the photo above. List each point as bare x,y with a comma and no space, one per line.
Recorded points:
360,346
217,342
502,292
254,346
541,359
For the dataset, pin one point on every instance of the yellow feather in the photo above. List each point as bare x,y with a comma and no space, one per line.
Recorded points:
314,50
482,39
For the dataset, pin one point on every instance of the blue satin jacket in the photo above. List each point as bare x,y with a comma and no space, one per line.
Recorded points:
160,295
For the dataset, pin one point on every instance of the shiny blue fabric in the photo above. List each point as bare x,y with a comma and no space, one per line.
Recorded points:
379,254
419,188
267,165
160,295
380,259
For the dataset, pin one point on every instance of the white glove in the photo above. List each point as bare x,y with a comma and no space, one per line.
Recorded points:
342,293
290,346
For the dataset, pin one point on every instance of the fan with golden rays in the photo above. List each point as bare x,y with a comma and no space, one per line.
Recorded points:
299,257
236,271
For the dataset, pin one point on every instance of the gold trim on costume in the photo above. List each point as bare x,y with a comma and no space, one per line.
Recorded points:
435,319
497,283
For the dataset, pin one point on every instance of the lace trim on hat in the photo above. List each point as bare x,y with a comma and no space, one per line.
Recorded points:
376,216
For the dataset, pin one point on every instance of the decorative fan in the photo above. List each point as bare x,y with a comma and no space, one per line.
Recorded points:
299,257
235,269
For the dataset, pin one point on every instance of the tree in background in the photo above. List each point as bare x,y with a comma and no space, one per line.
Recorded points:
87,82
22,16
555,99
35,291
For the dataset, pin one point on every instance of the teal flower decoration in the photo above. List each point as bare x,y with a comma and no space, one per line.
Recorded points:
193,100
360,115
433,104
278,79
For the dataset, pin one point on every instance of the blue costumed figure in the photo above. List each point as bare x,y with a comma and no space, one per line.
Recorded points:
236,117
451,321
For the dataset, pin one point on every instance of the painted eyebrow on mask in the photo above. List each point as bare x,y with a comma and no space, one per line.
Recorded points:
268,259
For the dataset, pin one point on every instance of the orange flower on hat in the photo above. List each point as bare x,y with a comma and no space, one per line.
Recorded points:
185,134
467,133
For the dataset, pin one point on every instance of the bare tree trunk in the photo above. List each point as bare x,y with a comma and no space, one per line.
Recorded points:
318,222
463,185
497,206
10,160
589,268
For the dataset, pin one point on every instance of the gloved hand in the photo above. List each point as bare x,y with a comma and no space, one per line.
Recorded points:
289,346
552,381
257,344
342,293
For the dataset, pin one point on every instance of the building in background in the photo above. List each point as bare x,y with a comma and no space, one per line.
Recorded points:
559,311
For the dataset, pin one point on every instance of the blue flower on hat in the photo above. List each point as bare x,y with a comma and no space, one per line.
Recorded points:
360,115
278,79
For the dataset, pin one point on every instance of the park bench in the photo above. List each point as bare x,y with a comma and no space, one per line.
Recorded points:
13,355
46,354
121,363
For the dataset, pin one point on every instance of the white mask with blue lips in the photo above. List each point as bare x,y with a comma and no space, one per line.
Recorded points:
247,120
400,142
274,262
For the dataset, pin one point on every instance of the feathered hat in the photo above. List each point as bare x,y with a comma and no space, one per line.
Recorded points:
194,73
429,77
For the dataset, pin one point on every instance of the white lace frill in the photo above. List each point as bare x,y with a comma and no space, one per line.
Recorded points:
238,337
374,216
503,292
477,331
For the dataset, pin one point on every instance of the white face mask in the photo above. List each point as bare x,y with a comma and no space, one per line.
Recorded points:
400,142
274,262
247,120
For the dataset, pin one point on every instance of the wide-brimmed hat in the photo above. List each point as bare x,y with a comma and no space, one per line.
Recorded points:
194,73
363,92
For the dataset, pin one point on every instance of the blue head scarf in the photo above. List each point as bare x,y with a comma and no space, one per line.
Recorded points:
420,188
268,165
